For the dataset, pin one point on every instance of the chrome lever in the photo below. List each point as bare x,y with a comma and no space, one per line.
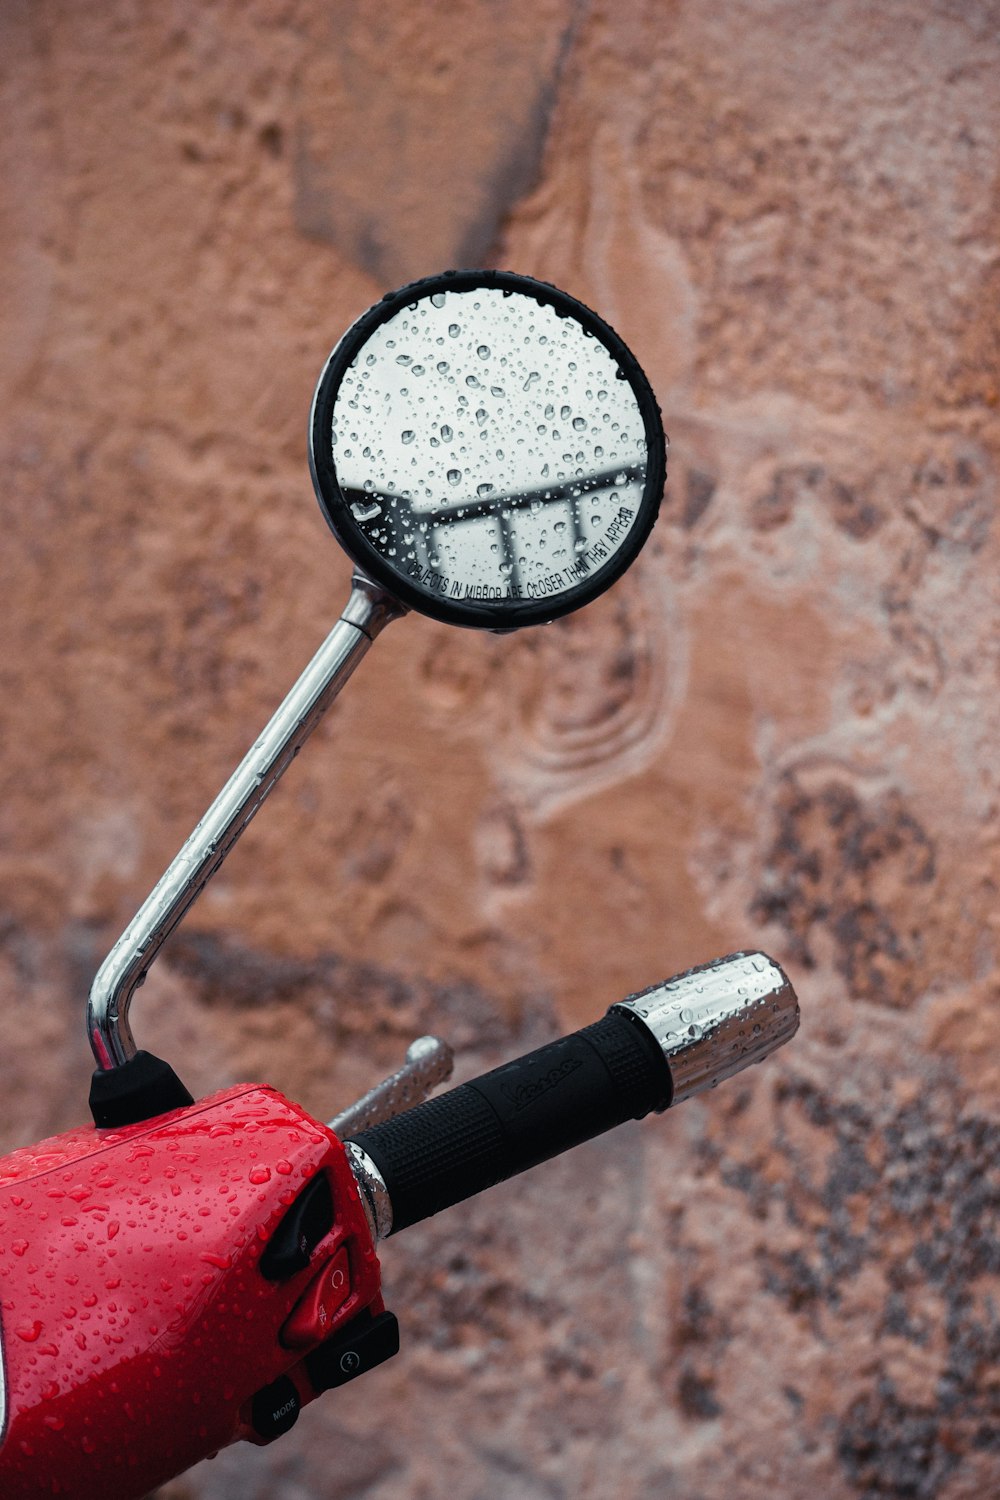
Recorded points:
429,1061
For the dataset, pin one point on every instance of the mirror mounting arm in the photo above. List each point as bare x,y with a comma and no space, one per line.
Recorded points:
369,609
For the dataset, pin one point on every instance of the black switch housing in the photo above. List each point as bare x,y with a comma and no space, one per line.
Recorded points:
308,1221
365,1343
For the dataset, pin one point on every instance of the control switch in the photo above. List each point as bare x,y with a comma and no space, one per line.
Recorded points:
312,1321
365,1343
308,1221
275,1409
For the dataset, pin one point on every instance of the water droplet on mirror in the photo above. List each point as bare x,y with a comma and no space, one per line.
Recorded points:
579,423
484,489
533,377
408,435
454,476
483,351
404,359
443,367
446,433
437,300
454,329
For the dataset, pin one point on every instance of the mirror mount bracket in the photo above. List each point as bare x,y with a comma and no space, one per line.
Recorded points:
371,607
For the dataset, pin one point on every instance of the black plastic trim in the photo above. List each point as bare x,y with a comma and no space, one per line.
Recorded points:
366,1342
139,1089
308,1221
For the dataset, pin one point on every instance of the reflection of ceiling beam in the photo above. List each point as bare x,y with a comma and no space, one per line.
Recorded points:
486,505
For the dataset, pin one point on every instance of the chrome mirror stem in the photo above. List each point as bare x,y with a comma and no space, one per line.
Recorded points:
369,609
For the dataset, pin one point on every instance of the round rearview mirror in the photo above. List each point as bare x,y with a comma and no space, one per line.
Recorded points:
487,449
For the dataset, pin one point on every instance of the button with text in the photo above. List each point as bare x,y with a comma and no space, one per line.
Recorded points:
275,1409
313,1318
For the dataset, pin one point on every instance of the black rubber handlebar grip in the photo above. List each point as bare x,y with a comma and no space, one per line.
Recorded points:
454,1146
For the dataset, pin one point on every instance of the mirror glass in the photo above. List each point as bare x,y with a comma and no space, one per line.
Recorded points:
489,453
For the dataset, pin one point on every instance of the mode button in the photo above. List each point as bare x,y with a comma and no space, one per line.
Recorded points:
275,1409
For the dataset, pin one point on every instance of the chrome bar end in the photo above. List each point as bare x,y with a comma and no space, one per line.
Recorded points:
715,1020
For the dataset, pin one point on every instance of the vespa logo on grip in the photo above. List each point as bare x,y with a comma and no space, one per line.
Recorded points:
521,1095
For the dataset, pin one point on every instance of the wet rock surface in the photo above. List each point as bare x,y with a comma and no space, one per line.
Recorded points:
780,730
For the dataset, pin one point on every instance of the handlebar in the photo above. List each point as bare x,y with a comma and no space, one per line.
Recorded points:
650,1051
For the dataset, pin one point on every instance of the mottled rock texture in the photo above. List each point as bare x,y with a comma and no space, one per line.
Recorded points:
781,730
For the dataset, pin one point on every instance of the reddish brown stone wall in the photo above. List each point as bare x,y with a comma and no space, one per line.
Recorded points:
781,730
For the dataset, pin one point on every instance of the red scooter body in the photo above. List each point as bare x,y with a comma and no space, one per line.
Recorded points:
163,1287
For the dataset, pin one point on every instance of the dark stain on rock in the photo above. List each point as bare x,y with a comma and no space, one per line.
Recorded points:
698,1321
400,187
925,664
376,838
775,507
894,1450
953,495
791,1278
272,138
698,491
229,974
696,1395
503,846
850,509
915,1191
860,870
